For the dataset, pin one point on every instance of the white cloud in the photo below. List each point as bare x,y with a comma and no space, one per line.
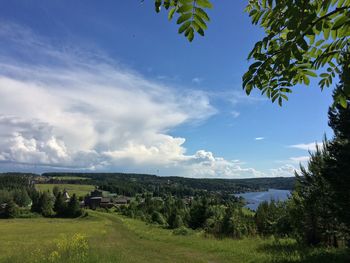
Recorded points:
197,80
236,97
300,159
286,170
259,138
306,146
73,110
235,114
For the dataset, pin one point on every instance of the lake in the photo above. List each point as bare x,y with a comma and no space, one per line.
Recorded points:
253,199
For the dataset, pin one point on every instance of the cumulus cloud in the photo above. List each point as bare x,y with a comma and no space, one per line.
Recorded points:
67,109
300,159
306,146
286,170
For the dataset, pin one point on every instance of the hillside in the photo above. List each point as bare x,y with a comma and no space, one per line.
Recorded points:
130,184
113,238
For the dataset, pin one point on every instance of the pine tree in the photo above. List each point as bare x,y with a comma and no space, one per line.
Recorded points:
46,204
73,208
60,205
317,222
55,190
338,164
21,197
11,209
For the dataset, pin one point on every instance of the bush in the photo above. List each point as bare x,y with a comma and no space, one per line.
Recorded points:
182,231
158,218
11,210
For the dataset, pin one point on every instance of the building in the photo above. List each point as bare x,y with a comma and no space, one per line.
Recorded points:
66,196
96,199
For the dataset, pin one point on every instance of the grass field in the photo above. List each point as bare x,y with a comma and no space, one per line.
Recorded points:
113,238
78,189
67,178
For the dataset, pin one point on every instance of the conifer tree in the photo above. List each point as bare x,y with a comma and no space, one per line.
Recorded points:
337,170
46,204
11,209
73,208
60,205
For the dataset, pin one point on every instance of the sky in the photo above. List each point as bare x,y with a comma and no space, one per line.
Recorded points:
109,86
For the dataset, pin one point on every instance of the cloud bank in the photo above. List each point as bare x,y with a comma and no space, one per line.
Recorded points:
67,109
307,146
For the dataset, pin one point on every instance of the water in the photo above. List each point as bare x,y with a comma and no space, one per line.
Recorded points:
253,199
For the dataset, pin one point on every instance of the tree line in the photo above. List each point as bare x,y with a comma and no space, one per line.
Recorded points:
19,198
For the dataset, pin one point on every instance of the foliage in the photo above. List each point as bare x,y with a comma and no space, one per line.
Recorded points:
73,207
192,15
272,218
11,210
337,163
46,204
315,220
302,37
60,206
21,197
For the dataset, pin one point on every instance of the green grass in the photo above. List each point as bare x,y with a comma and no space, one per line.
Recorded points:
78,189
113,238
67,178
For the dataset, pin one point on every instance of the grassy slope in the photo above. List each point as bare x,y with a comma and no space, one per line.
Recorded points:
78,189
113,238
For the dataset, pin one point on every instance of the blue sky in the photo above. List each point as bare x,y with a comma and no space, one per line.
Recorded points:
92,86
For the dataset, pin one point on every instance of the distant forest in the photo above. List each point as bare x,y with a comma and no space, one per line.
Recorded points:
131,184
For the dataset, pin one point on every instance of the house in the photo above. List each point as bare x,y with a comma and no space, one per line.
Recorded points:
66,196
122,200
92,201
106,202
96,199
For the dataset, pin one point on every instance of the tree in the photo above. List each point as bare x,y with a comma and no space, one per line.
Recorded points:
46,204
337,171
55,190
192,15
11,209
199,213
313,198
60,205
36,206
73,208
302,37
5,196
21,197
158,218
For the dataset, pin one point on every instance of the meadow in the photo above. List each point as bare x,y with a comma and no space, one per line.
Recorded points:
108,237
80,190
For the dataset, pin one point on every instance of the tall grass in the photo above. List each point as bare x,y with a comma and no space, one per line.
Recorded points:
103,237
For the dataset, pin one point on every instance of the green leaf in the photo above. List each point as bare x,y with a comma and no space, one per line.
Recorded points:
183,18
204,3
184,26
340,22
200,12
171,13
157,5
184,9
342,101
200,21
